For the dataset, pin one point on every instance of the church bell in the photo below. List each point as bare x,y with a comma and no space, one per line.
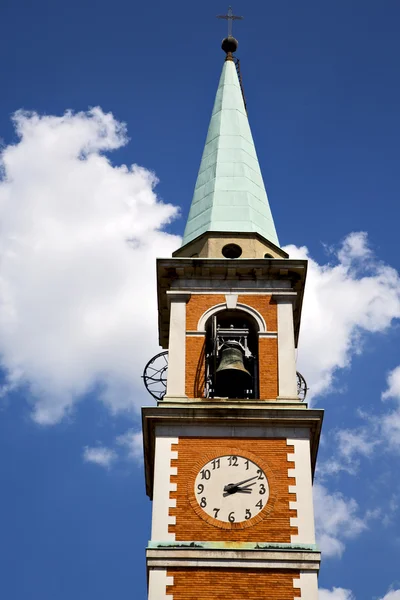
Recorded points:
233,380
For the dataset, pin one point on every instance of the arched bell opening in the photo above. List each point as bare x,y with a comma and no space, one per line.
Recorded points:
232,355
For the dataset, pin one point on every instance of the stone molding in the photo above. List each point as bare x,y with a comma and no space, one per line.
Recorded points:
251,418
197,275
235,559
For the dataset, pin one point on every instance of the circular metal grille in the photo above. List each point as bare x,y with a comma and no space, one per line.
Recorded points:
155,375
301,387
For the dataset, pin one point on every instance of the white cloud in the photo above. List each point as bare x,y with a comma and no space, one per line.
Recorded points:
100,455
389,422
353,295
342,594
393,385
392,595
132,442
349,445
78,243
336,520
335,594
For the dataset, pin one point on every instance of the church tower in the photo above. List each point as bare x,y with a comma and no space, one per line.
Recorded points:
230,448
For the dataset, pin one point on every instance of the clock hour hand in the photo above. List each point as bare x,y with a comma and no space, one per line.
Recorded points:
232,488
235,491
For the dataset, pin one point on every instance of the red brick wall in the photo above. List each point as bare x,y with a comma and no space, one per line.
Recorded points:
268,347
275,527
232,584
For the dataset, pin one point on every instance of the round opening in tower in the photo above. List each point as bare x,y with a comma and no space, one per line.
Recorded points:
231,251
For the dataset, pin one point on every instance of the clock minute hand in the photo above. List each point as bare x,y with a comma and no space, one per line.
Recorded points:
246,487
232,488
244,481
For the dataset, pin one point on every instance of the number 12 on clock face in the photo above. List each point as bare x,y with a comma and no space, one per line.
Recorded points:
231,488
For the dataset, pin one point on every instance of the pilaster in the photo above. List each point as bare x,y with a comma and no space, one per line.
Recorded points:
177,345
287,381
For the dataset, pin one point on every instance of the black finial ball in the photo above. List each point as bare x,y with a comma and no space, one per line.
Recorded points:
229,44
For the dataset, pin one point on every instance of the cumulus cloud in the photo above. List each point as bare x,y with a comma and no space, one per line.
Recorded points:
392,595
336,520
342,594
349,445
393,385
99,455
78,243
335,594
132,442
352,295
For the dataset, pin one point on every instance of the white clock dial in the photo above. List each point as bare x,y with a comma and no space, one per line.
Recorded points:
231,488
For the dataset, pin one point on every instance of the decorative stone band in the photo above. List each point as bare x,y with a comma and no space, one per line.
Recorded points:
194,556
301,472
158,582
308,585
162,501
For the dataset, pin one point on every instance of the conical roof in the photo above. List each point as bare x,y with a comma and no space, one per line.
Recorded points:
230,195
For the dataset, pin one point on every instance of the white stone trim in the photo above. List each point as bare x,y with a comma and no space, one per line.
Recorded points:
231,300
177,346
287,380
268,334
308,585
262,327
158,581
234,559
301,471
162,488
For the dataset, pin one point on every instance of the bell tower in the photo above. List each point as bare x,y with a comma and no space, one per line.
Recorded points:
230,448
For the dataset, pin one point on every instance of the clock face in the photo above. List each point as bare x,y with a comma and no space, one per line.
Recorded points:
231,489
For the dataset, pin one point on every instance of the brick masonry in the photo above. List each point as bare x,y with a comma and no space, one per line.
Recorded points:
223,584
274,526
197,305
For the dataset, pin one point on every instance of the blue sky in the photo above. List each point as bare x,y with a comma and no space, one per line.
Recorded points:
77,310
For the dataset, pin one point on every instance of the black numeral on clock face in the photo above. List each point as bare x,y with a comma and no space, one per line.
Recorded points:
260,504
262,489
248,514
203,502
200,488
216,511
260,474
216,463
233,461
205,474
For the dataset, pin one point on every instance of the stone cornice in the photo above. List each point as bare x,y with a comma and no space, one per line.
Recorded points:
269,276
252,416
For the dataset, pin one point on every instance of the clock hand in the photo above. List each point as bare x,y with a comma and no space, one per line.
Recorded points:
245,481
230,486
240,490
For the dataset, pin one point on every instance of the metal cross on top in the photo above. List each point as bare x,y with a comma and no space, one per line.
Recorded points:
230,17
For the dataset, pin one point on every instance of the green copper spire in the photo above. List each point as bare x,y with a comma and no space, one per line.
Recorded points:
230,194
